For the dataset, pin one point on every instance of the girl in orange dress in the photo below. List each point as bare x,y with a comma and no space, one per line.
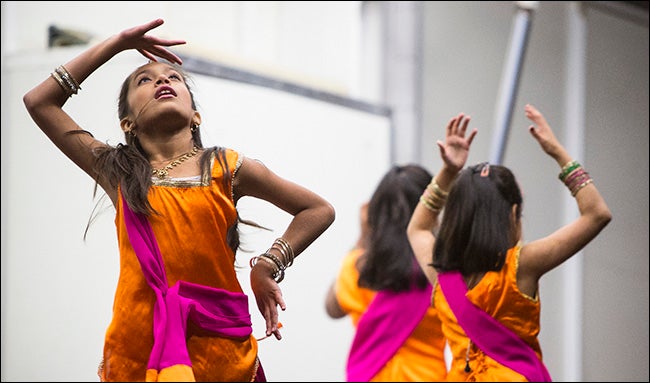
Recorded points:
475,258
381,288
179,313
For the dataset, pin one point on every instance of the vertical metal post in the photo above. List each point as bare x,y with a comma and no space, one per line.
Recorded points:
510,79
573,137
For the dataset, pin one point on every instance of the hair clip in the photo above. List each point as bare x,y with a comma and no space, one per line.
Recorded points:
485,172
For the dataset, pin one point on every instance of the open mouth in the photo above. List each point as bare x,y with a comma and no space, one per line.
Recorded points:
165,91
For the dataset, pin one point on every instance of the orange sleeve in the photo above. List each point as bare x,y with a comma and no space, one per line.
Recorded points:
353,299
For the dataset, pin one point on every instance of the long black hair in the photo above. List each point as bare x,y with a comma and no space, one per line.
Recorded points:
476,228
388,262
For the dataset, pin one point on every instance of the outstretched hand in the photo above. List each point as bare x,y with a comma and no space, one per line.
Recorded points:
542,132
455,150
149,46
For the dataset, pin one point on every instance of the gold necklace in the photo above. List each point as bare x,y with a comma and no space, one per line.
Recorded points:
164,171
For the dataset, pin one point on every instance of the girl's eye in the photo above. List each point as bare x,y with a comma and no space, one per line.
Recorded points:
177,77
143,79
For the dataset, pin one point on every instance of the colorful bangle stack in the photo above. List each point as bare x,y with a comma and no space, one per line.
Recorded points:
574,177
433,197
69,85
279,265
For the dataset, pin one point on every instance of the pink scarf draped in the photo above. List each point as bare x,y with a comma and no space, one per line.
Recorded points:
220,311
389,320
495,339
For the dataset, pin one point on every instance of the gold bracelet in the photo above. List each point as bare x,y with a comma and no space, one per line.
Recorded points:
435,188
433,208
279,276
579,187
56,76
276,269
64,72
567,169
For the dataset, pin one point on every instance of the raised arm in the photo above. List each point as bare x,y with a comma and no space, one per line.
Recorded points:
45,101
424,221
540,256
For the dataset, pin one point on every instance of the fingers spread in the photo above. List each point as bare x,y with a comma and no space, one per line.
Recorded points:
471,136
463,126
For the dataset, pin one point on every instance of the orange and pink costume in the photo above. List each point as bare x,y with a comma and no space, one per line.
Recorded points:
497,295
181,314
403,333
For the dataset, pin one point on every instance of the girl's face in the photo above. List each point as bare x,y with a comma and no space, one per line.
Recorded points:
159,100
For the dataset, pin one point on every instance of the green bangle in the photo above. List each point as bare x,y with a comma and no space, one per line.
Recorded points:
567,169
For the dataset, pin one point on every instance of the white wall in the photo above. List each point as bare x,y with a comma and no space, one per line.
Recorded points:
616,287
314,43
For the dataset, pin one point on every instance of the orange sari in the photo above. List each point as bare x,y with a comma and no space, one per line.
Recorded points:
191,233
421,356
498,295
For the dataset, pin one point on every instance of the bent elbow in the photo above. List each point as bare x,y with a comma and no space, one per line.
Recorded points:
330,214
29,102
605,216
600,216
34,103
332,306
411,230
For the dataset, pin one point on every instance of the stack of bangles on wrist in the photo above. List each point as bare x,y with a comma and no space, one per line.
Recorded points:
433,197
574,177
69,85
279,264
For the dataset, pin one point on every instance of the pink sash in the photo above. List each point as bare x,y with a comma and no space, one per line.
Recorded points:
220,311
384,327
495,339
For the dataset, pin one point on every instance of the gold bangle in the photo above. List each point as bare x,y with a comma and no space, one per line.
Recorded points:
435,189
285,250
276,269
579,187
568,168
70,82
278,276
429,205
435,199
67,74
57,77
